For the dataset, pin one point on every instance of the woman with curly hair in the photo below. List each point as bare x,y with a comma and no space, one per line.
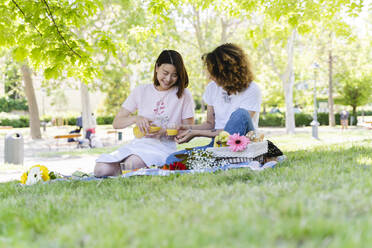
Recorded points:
233,99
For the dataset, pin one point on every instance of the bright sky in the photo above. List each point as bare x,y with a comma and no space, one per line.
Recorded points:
361,23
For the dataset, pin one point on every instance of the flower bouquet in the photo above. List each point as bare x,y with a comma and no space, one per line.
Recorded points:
37,173
195,160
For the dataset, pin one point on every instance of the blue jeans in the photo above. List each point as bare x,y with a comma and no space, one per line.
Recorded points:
239,122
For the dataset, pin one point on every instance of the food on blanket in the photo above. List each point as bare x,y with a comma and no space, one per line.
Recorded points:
172,132
221,139
254,136
138,134
250,135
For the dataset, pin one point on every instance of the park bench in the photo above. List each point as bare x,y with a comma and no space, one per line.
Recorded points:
365,121
6,127
67,136
115,134
369,124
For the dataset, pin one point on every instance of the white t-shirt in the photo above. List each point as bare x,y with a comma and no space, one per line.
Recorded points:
162,107
224,105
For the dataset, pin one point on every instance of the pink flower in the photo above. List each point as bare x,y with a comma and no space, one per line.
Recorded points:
237,143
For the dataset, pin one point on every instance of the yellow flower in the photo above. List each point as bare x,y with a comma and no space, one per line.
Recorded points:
44,171
24,178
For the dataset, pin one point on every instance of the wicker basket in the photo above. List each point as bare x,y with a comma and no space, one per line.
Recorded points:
253,150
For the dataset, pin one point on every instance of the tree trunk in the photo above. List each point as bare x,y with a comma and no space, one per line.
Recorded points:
85,108
331,113
32,103
224,27
288,83
289,113
354,119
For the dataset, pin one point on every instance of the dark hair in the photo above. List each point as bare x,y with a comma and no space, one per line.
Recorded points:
231,68
174,58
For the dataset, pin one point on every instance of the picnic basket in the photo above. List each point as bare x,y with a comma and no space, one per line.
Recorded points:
254,151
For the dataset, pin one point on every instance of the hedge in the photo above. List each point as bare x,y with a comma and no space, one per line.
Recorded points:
301,119
23,121
266,120
9,104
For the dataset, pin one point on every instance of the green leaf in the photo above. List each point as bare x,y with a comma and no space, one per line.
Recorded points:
20,53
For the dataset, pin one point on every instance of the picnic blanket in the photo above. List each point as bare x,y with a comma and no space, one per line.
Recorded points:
253,165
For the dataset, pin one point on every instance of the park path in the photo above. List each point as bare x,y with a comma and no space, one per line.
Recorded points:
43,152
60,159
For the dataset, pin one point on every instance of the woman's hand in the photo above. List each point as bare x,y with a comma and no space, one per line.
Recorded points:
156,135
183,127
143,123
184,136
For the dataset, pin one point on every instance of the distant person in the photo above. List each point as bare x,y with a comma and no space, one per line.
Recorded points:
79,126
92,129
344,119
79,122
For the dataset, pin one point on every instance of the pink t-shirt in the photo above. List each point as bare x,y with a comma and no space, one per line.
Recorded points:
162,107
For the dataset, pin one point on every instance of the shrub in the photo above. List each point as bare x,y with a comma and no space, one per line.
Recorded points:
271,120
104,120
9,104
323,119
302,119
71,121
22,121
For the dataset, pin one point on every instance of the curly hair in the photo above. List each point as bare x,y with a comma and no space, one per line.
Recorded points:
230,68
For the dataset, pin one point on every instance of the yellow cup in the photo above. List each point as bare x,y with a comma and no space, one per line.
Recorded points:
172,132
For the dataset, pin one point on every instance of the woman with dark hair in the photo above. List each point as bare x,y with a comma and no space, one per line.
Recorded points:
233,99
164,102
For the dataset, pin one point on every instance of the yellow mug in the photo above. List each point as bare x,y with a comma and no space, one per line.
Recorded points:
172,132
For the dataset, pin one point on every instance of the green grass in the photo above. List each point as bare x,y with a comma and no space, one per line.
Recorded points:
320,197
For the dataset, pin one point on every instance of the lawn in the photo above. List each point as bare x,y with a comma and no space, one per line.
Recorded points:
320,197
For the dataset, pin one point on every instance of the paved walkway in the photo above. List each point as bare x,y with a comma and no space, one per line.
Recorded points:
44,152
58,159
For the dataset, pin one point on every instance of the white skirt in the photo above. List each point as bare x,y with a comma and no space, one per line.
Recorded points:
151,151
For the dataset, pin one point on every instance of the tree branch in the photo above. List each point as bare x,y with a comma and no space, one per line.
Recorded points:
276,70
49,12
23,13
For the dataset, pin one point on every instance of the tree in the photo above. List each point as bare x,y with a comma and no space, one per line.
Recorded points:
46,32
205,25
13,81
282,21
355,91
32,104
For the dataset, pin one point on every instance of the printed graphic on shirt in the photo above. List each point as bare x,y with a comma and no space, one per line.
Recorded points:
226,97
161,118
